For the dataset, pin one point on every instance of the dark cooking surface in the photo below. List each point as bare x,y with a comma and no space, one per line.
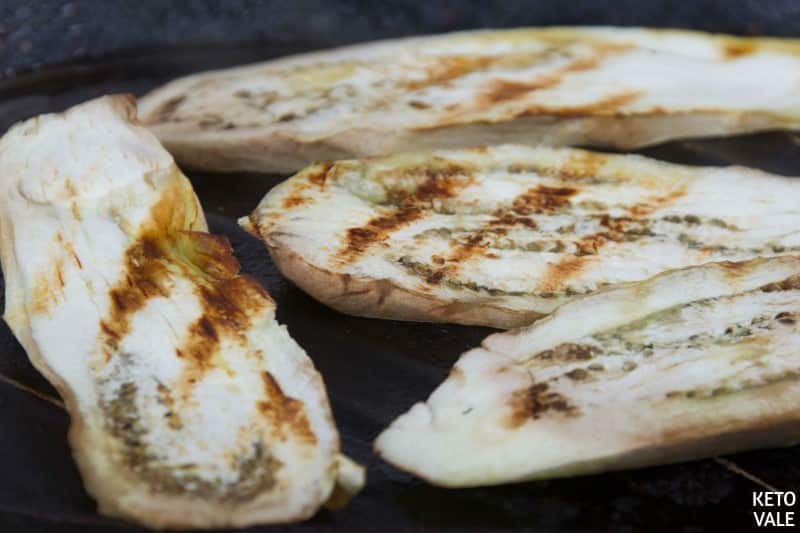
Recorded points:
374,371
48,32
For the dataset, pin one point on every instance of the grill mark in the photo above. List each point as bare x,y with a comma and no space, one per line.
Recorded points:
615,229
505,218
377,230
460,254
476,244
568,352
162,253
656,202
578,374
542,199
580,166
791,283
49,284
425,271
228,302
212,254
555,276
439,182
473,246
590,244
536,401
569,266
434,276
166,398
505,90
614,232
232,302
285,414
316,176
145,277
202,343
48,287
446,69
294,201
609,105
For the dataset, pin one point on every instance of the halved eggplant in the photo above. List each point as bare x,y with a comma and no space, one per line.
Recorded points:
689,364
190,405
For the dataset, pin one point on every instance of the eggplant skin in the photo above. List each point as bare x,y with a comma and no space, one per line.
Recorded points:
564,86
502,235
692,363
190,406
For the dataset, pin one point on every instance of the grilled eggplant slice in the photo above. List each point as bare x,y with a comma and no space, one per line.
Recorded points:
622,87
190,405
689,364
500,236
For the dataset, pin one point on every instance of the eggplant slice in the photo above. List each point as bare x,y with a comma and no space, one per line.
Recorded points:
689,364
190,406
621,87
500,236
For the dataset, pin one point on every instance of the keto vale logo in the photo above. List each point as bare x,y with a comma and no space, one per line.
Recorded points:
774,508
